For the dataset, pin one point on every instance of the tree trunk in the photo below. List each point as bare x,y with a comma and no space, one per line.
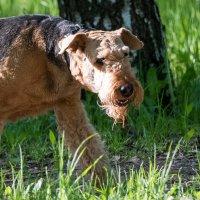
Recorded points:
139,16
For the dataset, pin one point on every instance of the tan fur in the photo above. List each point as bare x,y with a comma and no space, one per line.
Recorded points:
30,84
116,70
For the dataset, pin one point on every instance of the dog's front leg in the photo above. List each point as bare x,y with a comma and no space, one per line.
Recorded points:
74,125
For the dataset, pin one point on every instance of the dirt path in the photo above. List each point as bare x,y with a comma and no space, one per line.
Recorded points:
186,165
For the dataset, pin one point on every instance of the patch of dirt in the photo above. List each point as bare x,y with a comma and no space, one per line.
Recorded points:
185,165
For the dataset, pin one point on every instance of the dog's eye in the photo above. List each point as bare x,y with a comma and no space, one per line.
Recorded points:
100,61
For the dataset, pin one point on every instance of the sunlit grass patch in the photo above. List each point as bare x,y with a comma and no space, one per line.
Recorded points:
22,7
152,183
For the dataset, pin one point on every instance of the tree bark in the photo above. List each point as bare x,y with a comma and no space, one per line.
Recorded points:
139,16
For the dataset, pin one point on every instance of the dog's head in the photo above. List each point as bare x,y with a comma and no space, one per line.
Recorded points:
99,60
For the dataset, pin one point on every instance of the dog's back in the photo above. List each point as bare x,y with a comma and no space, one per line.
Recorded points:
50,29
10,29
32,73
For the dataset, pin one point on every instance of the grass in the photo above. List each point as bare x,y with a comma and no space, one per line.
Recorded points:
34,144
22,7
136,185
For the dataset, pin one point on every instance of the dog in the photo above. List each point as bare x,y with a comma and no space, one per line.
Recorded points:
45,61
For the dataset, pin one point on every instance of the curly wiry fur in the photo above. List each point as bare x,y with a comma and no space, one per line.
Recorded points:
46,61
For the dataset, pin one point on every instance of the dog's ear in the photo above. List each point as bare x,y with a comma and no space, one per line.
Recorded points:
72,42
129,39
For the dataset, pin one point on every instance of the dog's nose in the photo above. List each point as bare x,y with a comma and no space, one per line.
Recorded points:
126,90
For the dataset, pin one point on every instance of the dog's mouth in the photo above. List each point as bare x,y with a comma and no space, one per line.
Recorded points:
115,104
121,102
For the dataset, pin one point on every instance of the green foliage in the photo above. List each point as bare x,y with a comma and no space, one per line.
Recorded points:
181,20
22,7
142,184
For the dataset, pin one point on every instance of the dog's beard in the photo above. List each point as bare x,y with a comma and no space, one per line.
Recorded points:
116,107
117,113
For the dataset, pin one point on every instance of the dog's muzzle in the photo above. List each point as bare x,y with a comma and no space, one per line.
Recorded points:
125,91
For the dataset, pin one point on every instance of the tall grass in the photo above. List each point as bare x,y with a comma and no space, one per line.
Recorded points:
181,20
144,184
183,38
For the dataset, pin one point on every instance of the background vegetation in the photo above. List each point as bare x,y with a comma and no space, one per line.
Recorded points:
33,143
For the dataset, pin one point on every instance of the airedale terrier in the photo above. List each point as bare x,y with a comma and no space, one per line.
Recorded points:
44,63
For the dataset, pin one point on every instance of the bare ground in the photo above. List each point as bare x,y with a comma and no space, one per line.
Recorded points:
184,164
